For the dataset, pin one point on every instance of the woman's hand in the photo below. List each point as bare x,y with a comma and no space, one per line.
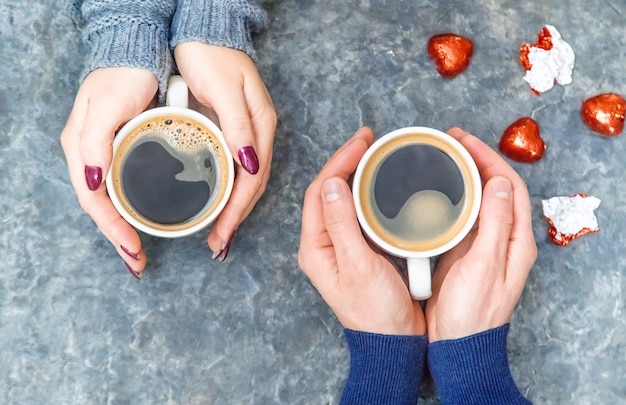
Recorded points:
227,81
363,288
477,284
106,100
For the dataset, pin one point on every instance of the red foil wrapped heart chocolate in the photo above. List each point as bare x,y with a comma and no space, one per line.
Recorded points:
522,141
451,52
604,113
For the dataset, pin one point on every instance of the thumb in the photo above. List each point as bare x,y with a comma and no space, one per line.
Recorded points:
495,219
341,222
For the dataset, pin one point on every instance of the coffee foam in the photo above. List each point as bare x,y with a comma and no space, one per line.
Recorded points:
372,214
181,133
190,140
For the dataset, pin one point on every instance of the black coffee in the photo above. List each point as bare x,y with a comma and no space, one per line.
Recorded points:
170,173
418,192
165,185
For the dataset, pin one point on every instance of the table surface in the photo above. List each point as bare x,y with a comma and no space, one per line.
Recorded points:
75,327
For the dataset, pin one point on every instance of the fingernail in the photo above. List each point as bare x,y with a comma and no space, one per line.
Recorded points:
502,188
248,159
129,253
223,253
135,274
93,176
332,190
222,256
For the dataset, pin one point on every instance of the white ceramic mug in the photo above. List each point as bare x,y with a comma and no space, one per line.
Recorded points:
184,138
443,150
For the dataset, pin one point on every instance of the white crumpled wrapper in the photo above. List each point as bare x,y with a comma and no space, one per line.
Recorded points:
570,217
548,66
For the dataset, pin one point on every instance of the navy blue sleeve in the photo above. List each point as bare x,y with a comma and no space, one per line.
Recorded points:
384,369
474,369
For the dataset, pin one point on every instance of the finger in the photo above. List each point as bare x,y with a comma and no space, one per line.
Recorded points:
121,235
99,207
103,118
490,164
247,190
96,148
495,222
96,203
261,111
107,109
313,236
341,223
345,160
229,102
342,164
238,130
488,161
263,118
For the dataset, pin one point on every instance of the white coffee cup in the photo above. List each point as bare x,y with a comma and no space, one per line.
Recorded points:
172,172
417,193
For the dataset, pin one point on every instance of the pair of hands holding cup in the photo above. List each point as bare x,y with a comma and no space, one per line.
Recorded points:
222,79
476,284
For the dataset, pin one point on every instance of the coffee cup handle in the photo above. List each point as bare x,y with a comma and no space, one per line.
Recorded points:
419,278
177,92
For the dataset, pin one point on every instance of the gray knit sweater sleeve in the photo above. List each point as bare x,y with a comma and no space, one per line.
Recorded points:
128,33
228,23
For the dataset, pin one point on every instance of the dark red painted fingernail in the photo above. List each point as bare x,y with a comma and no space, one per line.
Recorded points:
222,254
135,274
93,176
129,253
248,159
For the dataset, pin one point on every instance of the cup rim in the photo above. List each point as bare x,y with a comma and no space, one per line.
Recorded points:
136,122
474,175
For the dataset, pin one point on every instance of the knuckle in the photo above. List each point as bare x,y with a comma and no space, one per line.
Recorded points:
503,217
334,220
483,263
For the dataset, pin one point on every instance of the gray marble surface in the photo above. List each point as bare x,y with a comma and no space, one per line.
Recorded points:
76,328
